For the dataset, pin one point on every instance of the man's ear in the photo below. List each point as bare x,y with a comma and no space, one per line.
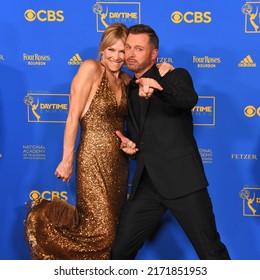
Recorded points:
154,54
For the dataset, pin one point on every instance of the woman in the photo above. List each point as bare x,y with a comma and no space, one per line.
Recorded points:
99,105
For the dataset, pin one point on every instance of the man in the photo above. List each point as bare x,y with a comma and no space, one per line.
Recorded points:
169,172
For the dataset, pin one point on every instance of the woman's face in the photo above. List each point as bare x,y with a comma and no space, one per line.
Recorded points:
114,56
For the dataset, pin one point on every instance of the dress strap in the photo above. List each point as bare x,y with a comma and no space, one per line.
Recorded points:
102,65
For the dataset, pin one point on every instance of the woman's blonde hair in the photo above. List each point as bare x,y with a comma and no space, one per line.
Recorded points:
113,33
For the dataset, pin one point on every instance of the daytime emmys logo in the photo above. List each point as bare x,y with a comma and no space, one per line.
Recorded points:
252,21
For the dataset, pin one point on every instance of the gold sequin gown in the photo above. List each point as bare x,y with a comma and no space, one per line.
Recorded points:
101,180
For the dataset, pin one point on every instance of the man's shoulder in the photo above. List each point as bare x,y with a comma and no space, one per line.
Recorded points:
179,72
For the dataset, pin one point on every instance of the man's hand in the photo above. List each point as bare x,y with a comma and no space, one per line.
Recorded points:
128,146
147,86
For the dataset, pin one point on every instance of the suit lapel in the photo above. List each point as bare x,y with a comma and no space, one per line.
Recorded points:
130,111
144,105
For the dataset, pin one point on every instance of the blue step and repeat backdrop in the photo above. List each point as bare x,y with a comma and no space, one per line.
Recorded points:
43,42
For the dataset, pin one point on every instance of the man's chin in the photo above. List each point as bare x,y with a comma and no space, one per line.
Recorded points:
131,67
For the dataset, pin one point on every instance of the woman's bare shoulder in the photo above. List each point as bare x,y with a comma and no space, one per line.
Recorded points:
125,77
88,73
90,66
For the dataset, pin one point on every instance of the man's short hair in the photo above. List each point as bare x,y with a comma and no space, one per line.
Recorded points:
141,29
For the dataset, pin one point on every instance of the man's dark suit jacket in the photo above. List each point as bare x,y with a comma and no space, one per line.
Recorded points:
164,135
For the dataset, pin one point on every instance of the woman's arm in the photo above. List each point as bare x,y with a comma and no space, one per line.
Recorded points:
80,90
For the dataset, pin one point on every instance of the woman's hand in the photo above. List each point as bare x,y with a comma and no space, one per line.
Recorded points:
64,171
164,68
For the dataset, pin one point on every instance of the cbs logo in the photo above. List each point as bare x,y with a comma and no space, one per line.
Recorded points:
191,17
250,111
44,15
49,195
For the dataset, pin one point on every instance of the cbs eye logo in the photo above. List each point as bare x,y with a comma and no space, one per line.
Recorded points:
250,111
44,15
34,195
191,17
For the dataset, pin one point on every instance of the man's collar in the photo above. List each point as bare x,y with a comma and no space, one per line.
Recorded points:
152,72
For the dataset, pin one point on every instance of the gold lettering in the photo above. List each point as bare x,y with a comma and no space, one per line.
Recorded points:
123,15
59,15
28,57
207,17
206,59
54,106
55,194
39,15
44,193
198,59
64,195
198,17
201,109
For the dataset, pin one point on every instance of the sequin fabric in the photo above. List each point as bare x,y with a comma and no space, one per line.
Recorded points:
101,180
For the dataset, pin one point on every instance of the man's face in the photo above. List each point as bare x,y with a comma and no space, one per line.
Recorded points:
140,55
